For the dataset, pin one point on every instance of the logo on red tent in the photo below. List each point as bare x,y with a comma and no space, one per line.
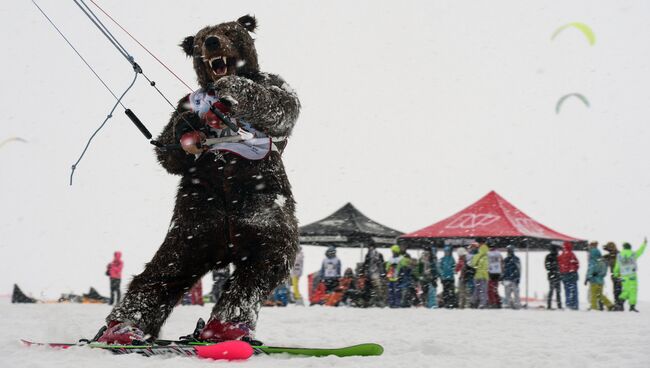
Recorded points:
472,220
529,227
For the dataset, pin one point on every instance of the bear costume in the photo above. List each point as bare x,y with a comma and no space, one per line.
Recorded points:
234,203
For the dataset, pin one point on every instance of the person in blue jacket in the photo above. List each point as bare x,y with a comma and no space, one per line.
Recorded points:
447,269
596,276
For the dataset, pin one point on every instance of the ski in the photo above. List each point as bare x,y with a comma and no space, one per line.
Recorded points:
228,350
367,349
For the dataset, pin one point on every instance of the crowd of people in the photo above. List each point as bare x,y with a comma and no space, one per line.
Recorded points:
562,271
469,279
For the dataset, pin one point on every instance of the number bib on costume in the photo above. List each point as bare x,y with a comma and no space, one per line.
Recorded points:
252,149
330,268
494,262
627,265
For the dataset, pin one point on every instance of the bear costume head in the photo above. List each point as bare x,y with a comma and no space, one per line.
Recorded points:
223,49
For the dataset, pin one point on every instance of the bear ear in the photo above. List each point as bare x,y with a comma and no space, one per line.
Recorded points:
249,22
188,45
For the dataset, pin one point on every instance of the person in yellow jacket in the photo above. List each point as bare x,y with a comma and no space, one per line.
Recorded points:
626,266
296,273
480,263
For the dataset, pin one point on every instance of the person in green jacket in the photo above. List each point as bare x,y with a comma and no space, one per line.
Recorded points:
626,269
480,263
596,276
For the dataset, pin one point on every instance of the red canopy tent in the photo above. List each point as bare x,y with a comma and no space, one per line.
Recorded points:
493,219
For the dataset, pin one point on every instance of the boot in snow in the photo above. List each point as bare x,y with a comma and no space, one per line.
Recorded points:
633,308
122,333
216,331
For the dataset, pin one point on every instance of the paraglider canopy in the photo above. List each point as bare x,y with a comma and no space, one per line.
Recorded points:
12,139
560,102
585,29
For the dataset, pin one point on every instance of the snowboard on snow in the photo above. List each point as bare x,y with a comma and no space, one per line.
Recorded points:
227,350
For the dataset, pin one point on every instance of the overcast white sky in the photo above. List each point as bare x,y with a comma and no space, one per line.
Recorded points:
412,110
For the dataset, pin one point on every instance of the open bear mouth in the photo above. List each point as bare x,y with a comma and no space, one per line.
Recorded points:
219,65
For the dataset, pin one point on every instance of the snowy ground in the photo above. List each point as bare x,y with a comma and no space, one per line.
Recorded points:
411,337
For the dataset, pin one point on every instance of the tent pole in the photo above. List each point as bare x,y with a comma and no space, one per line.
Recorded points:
361,253
527,246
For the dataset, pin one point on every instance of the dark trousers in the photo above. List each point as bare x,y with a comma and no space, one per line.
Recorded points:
618,288
394,294
554,286
448,293
116,294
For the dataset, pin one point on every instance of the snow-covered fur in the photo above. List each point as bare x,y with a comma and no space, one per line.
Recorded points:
228,209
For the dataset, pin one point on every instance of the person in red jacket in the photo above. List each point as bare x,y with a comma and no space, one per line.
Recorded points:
114,272
569,265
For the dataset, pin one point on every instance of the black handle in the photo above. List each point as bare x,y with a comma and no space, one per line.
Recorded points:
225,119
138,123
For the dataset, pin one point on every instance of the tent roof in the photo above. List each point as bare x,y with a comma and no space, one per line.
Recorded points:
489,217
347,227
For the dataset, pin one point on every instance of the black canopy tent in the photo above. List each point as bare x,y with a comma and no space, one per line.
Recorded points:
349,228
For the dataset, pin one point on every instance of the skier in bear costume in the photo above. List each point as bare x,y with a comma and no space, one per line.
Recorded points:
234,202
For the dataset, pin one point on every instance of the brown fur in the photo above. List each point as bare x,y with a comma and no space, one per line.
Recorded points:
228,210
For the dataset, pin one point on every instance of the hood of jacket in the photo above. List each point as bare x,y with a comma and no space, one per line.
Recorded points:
568,247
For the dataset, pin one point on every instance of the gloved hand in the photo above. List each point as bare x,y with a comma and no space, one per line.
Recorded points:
211,119
193,142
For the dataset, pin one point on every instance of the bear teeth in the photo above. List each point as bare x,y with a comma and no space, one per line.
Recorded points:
219,65
225,59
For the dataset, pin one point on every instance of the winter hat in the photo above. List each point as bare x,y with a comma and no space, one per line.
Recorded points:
461,252
331,251
610,247
627,246
395,249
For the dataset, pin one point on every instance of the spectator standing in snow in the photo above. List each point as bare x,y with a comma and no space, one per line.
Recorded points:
330,270
569,266
296,272
374,270
393,270
470,272
553,275
596,276
407,281
511,276
590,264
480,263
462,280
428,272
447,267
626,267
219,278
617,286
495,268
114,272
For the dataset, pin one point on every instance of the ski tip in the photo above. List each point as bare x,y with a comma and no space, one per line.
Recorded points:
227,350
375,349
